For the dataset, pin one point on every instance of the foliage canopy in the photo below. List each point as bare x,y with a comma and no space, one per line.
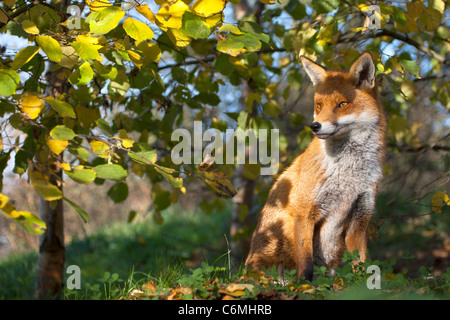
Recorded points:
98,87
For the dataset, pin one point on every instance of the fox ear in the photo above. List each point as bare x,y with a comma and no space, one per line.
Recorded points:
363,72
316,72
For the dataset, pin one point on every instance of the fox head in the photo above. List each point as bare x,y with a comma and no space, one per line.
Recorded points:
344,102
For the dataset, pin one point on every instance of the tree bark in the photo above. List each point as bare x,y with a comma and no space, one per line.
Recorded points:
50,270
243,200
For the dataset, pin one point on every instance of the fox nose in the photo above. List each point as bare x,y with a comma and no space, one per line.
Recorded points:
315,126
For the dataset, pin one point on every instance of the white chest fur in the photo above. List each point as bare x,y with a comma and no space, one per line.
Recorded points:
352,167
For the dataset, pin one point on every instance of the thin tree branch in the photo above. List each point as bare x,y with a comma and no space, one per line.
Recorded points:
344,38
185,63
421,148
19,12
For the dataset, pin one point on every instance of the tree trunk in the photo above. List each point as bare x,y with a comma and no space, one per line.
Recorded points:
50,270
243,200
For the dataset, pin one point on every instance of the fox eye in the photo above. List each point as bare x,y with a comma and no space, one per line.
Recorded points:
318,107
343,104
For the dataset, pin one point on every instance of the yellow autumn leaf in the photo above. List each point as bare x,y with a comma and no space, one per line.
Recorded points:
146,12
306,288
178,38
363,7
51,47
171,16
137,30
5,205
219,182
268,1
207,8
24,219
57,146
100,148
123,137
214,20
32,106
65,166
238,289
41,183
98,4
29,27
135,58
439,200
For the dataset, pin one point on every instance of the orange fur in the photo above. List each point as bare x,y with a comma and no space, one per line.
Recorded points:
309,217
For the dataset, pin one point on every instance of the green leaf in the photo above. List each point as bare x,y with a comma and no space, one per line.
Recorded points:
82,175
209,98
296,9
249,40
167,173
296,119
79,152
63,108
231,47
108,72
194,26
111,172
9,79
24,56
398,16
254,29
324,6
104,20
118,192
77,209
162,201
137,30
61,132
104,126
51,47
144,157
4,158
83,75
410,66
85,49
119,86
272,108
131,215
87,116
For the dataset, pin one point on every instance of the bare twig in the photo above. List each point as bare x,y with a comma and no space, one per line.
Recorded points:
421,148
350,37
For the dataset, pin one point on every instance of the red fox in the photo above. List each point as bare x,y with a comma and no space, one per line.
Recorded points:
321,205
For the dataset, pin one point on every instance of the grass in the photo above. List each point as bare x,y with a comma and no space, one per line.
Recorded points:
186,258
125,254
